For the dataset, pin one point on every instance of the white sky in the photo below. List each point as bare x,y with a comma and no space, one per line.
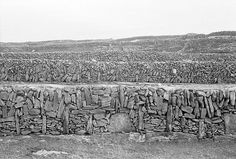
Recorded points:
33,20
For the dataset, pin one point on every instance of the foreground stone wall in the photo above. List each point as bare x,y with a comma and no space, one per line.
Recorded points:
80,109
206,72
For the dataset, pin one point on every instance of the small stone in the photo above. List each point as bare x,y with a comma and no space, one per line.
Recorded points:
99,116
218,112
207,120
190,116
67,98
95,99
166,95
75,112
73,98
201,93
80,132
4,95
25,132
37,103
219,120
19,105
55,132
29,103
164,108
102,122
34,111
2,103
156,122
48,106
19,99
187,109
150,111
51,114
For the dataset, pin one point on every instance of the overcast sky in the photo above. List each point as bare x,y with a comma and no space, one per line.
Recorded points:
34,20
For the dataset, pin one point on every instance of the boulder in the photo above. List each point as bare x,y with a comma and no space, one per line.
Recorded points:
120,122
230,123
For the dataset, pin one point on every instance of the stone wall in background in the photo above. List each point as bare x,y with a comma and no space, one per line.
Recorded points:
35,70
79,109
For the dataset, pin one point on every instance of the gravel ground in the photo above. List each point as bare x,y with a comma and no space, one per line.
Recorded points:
114,146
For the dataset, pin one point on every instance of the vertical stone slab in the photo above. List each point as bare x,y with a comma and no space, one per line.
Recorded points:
55,100
185,97
169,115
87,95
140,118
207,107
122,96
66,121
78,99
226,120
232,98
61,108
117,105
136,78
89,127
17,122
99,76
201,129
89,76
4,111
41,98
44,125
211,106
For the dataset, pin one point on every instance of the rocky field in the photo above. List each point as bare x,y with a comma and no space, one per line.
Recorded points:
69,95
191,58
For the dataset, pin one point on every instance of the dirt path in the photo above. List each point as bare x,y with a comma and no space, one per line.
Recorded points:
112,146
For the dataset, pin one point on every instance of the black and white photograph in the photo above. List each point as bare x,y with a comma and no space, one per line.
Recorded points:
117,79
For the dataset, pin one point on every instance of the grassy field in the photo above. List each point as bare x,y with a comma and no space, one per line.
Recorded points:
113,146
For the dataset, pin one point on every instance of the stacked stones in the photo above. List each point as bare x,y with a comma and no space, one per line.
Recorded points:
205,110
94,108
93,71
79,109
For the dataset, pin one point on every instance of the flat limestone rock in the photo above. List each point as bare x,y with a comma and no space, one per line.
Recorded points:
34,111
120,122
230,123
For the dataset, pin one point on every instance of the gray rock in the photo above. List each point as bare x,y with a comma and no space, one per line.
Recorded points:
4,95
34,111
230,123
187,109
80,132
120,122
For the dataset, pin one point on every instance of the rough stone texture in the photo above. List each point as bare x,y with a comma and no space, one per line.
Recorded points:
145,108
90,71
120,122
230,123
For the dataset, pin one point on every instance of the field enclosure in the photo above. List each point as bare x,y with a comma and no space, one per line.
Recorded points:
78,87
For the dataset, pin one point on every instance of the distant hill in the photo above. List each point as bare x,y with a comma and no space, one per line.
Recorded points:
216,42
223,33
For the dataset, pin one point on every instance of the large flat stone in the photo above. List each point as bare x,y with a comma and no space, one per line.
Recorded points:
120,122
230,123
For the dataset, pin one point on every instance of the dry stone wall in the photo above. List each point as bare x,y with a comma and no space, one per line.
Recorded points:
80,109
207,72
